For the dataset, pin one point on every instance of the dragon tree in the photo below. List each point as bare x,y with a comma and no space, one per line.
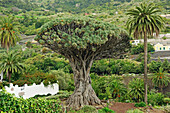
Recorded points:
82,41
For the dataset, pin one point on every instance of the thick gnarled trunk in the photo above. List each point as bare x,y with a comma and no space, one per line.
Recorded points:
83,93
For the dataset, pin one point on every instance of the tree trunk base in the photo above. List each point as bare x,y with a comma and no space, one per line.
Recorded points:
82,96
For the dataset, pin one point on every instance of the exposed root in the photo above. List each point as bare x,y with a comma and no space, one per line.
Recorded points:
81,97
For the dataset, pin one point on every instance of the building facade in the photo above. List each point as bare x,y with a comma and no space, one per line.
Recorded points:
161,47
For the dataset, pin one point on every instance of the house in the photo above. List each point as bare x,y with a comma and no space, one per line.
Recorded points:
135,42
166,15
161,47
1,76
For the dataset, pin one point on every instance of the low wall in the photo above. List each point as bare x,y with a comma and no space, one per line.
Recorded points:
30,91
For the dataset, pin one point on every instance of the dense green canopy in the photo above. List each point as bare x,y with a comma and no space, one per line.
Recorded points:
83,36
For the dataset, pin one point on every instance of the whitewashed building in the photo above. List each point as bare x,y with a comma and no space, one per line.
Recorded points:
135,42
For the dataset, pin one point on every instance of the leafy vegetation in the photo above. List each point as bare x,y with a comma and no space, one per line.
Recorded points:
135,111
141,104
160,79
112,79
9,103
11,63
155,98
105,110
36,78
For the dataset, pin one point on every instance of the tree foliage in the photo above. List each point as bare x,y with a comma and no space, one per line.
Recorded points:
11,63
83,38
8,33
145,20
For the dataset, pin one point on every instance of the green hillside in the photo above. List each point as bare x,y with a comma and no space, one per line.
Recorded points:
32,14
21,4
79,6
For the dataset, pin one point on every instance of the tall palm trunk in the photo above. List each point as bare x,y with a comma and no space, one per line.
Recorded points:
8,76
145,67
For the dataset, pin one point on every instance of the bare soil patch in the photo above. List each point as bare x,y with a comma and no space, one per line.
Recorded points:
120,107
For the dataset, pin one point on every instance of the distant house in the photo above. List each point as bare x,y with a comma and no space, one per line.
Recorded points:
161,47
135,42
86,14
166,16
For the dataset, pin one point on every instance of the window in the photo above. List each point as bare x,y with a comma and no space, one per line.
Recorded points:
163,48
160,48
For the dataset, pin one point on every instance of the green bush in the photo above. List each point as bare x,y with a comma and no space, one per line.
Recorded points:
140,57
112,66
60,95
155,98
4,83
136,89
141,104
135,111
106,110
107,87
167,100
140,49
164,37
65,80
154,66
11,104
36,78
88,109
160,79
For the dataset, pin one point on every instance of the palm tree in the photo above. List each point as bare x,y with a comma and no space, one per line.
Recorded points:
8,33
10,62
143,22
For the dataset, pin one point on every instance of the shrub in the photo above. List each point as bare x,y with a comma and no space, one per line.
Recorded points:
135,111
36,78
106,110
3,84
140,49
108,87
155,98
60,95
141,104
65,80
140,57
112,66
164,37
44,50
160,79
29,44
127,101
167,100
136,89
11,104
88,109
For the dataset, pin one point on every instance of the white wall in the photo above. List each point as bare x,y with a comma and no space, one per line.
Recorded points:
1,76
31,91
